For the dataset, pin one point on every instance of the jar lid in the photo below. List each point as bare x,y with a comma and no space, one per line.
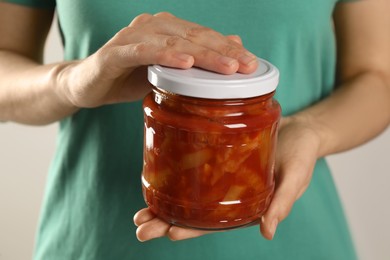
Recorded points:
195,82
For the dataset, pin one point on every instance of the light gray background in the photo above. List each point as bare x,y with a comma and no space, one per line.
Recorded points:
362,176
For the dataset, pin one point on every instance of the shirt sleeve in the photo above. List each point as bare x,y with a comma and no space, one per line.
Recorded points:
33,3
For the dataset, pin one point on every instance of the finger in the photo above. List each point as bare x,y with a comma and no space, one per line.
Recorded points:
173,52
203,57
178,233
152,229
223,45
143,216
288,187
144,53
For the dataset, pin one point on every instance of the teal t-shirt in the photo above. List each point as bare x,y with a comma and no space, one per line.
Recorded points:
94,187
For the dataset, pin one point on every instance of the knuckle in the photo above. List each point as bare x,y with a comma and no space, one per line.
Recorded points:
139,49
236,39
124,32
229,50
164,15
197,31
172,41
204,53
140,19
121,32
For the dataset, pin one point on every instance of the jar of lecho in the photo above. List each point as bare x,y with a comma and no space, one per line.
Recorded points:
209,146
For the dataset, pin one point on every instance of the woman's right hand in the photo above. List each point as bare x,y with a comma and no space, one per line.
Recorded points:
117,72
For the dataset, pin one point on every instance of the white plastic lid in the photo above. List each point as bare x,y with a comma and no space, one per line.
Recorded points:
200,83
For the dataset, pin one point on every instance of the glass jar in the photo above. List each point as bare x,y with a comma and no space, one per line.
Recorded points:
209,146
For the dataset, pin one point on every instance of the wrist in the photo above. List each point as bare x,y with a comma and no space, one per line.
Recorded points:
59,79
316,130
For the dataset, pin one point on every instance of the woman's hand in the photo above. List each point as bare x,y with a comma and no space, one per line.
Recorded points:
32,93
117,72
297,151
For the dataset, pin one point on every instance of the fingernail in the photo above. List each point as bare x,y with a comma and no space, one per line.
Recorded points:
227,61
272,229
139,239
247,59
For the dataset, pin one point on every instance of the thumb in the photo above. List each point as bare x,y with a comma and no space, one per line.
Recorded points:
291,183
278,210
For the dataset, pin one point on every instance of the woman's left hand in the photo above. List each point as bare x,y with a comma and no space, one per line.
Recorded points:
297,153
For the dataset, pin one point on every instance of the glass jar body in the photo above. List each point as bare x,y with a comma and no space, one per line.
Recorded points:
209,164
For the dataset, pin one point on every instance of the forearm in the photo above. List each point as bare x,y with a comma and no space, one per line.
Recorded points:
29,92
356,112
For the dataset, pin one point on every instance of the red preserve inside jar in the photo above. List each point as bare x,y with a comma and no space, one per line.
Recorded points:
208,162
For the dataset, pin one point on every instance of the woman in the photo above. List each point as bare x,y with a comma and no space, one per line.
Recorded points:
94,189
